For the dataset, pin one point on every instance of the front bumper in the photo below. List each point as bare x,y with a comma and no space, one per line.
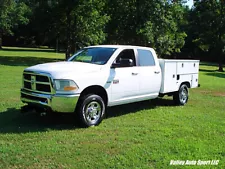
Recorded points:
57,102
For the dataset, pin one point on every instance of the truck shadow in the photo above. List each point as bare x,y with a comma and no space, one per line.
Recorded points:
138,106
12,121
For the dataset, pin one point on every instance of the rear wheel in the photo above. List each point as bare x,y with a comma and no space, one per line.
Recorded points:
91,110
181,96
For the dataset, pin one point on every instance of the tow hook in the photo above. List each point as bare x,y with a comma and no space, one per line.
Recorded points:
43,114
26,109
29,109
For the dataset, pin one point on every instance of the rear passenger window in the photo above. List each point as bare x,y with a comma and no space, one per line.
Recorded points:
145,58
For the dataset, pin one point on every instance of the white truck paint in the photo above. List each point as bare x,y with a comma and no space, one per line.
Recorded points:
175,72
106,75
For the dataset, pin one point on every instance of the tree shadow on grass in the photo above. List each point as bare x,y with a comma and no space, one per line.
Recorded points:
208,64
24,61
206,70
12,121
28,50
214,73
211,72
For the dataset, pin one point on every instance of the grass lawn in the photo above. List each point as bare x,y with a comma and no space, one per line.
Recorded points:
141,135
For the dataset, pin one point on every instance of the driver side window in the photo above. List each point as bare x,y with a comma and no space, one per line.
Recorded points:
126,54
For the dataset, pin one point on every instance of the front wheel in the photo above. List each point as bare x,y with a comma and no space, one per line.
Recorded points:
91,110
181,96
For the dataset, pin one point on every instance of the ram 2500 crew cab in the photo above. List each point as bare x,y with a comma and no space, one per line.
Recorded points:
100,76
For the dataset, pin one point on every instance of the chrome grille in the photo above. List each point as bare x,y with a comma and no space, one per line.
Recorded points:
37,82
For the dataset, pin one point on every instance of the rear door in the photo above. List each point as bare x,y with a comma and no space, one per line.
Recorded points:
149,73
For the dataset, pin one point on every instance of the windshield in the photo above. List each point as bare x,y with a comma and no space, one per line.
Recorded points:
96,55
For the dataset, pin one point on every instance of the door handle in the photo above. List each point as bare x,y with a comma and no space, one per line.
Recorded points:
134,74
157,72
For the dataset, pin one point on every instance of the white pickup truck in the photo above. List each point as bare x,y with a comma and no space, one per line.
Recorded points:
106,75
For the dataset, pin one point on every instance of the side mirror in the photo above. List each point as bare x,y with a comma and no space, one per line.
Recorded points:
123,63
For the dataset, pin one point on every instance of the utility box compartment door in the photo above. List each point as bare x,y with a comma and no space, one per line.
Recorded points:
169,76
187,67
194,81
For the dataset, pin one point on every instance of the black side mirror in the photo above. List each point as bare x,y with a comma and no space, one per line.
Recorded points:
123,63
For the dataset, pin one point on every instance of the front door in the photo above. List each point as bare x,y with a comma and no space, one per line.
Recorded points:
124,80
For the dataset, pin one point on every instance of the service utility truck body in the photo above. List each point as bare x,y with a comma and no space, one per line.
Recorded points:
97,77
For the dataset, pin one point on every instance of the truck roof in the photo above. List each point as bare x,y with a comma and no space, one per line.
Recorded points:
120,46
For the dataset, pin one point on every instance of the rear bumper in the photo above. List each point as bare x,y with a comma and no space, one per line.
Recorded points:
57,102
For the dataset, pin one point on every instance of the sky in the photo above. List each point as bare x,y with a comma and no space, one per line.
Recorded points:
190,3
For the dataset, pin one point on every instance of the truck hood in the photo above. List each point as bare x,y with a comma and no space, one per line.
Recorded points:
61,69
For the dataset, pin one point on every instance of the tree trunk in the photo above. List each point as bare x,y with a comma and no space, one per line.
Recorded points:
68,44
137,22
220,53
68,34
68,47
220,63
0,39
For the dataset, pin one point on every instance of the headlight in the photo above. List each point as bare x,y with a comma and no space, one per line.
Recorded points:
65,85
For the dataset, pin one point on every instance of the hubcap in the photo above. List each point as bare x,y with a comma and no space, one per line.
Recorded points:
183,95
93,112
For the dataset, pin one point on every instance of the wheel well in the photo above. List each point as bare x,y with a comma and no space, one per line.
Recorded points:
186,83
98,90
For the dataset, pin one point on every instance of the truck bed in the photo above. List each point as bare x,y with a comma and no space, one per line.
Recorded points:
174,72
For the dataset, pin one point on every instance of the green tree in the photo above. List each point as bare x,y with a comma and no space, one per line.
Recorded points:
71,23
160,27
12,13
208,21
155,23
121,28
80,22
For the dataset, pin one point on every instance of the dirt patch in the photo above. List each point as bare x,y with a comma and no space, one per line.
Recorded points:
221,94
205,92
212,93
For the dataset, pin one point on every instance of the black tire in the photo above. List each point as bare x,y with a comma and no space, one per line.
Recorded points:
91,110
181,96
